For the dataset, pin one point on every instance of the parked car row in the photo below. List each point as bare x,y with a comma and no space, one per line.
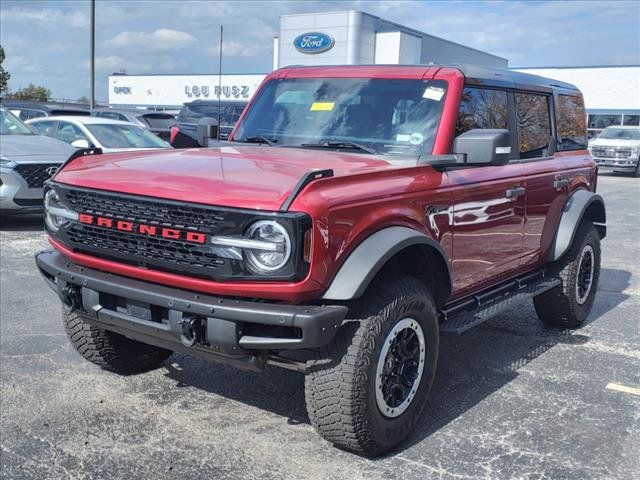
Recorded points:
26,110
31,152
90,132
180,132
157,122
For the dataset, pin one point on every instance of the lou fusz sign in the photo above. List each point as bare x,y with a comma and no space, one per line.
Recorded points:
226,91
313,42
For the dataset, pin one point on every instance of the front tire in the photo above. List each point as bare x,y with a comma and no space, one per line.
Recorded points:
569,304
367,389
109,350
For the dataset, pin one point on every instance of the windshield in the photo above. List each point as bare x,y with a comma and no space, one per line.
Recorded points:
388,116
158,120
10,125
621,133
125,136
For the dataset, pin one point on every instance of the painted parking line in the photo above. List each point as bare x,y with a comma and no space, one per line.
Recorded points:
623,388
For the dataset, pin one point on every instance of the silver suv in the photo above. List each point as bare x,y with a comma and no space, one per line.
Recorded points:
27,160
618,148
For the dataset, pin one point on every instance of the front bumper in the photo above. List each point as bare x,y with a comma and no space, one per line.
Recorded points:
233,331
621,164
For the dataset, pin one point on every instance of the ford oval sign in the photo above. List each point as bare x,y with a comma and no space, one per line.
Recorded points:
313,42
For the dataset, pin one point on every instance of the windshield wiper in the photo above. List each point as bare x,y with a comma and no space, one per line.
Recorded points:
260,139
339,145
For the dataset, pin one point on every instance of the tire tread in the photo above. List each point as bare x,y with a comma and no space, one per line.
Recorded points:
110,350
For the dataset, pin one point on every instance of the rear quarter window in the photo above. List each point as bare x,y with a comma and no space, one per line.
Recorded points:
534,124
571,123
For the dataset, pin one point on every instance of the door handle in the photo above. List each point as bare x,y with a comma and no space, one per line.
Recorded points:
559,183
515,192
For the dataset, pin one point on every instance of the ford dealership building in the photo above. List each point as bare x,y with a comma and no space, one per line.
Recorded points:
612,93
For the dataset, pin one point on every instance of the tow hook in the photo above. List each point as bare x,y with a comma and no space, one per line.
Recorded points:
194,330
70,297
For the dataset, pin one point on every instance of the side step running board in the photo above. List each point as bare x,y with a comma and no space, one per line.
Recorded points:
464,315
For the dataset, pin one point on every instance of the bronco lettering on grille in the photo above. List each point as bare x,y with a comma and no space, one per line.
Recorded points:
143,229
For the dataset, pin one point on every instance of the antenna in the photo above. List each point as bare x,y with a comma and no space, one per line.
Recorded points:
220,83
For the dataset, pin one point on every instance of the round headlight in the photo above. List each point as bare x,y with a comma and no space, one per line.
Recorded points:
55,214
277,246
51,201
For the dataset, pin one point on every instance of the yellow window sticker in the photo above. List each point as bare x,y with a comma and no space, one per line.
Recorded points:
322,106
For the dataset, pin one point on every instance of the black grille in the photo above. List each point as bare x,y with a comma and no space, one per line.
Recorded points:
35,174
158,253
170,255
151,211
611,152
28,202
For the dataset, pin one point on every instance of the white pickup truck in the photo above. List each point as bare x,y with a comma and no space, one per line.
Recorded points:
617,148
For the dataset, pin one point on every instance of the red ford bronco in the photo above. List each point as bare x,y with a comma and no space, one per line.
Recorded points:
355,214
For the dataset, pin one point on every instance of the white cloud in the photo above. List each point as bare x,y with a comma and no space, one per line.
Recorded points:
230,47
47,16
161,40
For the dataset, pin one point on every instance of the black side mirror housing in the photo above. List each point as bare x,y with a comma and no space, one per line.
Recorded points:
484,146
207,131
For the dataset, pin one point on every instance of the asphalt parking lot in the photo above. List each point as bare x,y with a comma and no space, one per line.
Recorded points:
512,399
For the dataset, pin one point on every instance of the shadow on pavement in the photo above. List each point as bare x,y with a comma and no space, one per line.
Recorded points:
471,366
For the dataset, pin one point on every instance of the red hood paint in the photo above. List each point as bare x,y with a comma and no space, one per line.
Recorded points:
257,177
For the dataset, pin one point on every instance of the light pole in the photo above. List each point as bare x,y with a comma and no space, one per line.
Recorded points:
220,83
93,53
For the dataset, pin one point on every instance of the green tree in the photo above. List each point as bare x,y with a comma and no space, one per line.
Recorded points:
4,75
32,92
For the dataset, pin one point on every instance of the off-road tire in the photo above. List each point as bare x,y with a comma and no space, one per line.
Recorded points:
340,388
636,172
110,350
560,306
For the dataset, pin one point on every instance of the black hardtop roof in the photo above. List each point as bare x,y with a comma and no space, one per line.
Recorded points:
509,78
482,75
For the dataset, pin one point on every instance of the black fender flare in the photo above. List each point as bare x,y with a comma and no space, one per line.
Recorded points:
368,258
581,204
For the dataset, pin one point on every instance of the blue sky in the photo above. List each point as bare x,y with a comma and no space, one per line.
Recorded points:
47,42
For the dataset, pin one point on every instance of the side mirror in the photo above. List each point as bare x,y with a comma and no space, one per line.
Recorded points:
207,131
484,146
80,143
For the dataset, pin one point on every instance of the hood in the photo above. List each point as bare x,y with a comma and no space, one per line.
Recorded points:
613,142
34,148
256,177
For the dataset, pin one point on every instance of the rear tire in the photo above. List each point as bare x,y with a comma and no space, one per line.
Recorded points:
367,389
569,304
109,350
